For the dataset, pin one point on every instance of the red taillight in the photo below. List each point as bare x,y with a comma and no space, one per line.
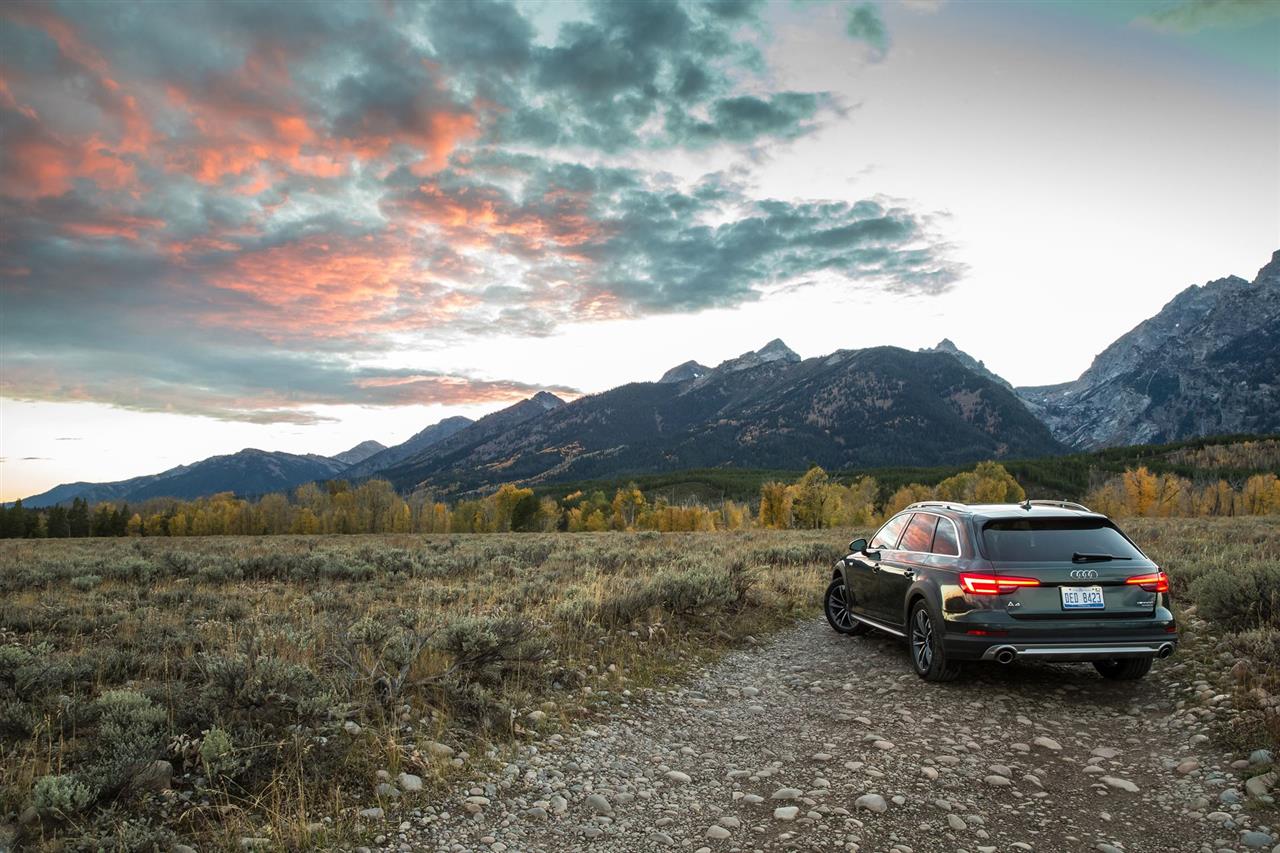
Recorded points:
1154,582
993,584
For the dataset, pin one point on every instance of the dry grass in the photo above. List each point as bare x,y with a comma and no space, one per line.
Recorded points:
277,643
270,646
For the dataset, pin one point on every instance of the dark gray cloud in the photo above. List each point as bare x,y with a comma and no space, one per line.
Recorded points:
230,209
653,74
1191,16
630,243
866,25
264,386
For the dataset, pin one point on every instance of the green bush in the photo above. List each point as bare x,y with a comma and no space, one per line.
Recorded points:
112,831
17,719
84,583
218,755
13,658
60,795
130,733
1241,597
679,591
1260,644
489,650
272,690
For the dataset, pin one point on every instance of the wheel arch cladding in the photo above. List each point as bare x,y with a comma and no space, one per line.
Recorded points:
913,595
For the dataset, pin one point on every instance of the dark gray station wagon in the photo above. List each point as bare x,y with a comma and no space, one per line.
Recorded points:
998,582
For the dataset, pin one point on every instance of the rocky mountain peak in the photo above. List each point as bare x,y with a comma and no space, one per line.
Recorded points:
776,350
1205,364
684,372
1270,273
547,400
359,453
773,352
947,346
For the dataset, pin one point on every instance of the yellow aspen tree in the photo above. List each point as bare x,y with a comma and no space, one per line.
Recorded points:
775,506
1140,490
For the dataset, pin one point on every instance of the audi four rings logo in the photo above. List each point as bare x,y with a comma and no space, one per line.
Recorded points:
1084,574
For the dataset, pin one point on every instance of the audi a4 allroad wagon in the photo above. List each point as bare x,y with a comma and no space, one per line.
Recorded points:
1046,580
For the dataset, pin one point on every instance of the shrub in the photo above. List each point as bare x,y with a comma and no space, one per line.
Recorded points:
270,689
1241,597
114,832
575,611
1260,644
129,734
218,755
84,583
489,650
17,719
60,795
13,658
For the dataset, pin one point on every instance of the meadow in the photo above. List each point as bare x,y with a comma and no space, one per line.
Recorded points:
214,688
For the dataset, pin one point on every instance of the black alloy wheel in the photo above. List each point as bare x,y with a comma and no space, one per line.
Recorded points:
927,655
836,605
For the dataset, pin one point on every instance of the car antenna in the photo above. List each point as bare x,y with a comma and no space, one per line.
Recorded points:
1026,503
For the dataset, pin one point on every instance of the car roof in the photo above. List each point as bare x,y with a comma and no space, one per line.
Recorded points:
1060,509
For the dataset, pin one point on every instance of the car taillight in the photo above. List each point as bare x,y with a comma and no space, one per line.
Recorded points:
993,584
1154,582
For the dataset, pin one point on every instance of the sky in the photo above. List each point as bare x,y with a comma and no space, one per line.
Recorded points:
300,226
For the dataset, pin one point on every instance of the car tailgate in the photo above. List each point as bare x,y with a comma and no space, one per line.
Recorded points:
1071,591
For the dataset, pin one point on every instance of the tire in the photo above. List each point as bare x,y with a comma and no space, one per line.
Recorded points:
1125,669
928,657
835,604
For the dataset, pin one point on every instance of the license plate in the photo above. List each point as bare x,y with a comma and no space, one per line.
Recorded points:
1082,598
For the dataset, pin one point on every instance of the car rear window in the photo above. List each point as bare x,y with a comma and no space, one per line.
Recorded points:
1052,540
944,539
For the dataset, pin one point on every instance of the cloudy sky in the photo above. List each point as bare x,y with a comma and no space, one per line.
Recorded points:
298,226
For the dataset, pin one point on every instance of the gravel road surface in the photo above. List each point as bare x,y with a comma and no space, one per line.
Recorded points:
816,741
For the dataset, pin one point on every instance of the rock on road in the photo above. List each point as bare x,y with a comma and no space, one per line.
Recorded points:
816,741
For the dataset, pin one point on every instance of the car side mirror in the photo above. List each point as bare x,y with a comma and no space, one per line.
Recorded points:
858,546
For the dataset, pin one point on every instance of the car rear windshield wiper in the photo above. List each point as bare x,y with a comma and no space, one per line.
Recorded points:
1095,558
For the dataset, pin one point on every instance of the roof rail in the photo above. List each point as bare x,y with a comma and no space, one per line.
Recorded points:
1062,504
947,504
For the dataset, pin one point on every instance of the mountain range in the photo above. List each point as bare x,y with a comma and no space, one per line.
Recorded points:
765,408
1206,364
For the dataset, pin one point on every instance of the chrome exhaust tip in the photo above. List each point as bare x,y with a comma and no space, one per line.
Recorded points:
1006,654
1166,649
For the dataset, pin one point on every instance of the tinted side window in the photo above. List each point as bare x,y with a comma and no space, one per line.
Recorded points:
945,540
888,535
919,535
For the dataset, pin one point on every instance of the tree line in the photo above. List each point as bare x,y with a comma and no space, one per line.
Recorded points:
813,501
1140,492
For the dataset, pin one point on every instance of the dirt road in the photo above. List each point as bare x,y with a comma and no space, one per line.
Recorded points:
815,741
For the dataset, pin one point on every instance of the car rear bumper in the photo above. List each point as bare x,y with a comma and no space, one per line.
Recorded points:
1008,652
981,635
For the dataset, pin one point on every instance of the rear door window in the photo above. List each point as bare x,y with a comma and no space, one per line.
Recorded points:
919,533
945,540
887,538
1053,540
